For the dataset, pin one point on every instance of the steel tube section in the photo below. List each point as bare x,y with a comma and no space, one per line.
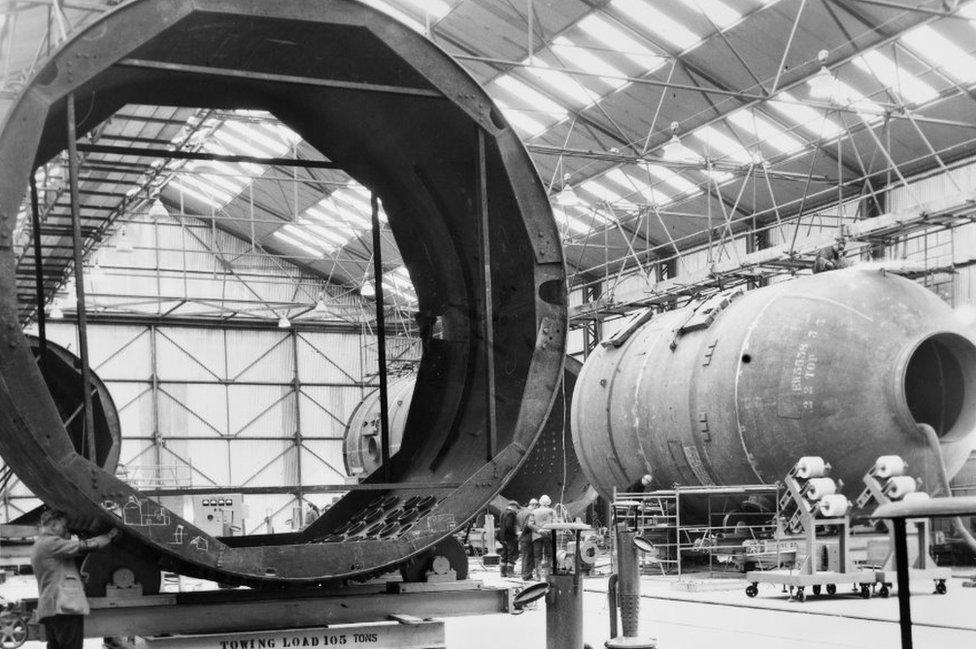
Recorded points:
628,594
88,433
418,151
564,612
706,395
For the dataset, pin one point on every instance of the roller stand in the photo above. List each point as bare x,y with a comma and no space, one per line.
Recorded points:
625,594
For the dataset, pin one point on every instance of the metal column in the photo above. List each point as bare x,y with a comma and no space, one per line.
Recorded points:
380,336
484,236
38,273
89,433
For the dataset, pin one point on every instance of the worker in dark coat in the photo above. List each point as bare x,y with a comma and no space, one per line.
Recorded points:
509,539
524,523
61,602
830,258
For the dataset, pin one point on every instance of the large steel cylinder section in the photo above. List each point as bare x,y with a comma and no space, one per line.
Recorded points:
401,117
551,467
733,390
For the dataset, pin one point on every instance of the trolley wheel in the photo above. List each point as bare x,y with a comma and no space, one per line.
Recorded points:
752,590
816,589
800,595
883,591
831,589
13,630
865,591
940,587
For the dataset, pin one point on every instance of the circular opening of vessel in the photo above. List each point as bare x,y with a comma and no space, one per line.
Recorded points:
746,358
939,378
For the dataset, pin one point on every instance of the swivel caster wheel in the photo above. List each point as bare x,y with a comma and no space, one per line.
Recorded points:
865,591
800,596
752,590
883,591
831,589
816,589
940,587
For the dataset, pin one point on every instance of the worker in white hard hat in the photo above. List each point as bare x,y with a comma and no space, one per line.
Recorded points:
542,538
523,521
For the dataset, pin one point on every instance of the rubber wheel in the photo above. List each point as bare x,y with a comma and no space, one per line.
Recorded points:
752,590
883,591
816,589
940,587
800,595
831,589
13,630
865,591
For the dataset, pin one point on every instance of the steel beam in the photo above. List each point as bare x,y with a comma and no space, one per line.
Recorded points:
144,152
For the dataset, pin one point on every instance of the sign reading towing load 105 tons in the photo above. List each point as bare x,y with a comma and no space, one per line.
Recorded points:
424,634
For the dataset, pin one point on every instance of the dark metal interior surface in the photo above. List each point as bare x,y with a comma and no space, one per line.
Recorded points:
400,117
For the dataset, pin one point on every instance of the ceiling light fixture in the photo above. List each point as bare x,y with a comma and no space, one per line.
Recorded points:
567,195
124,244
675,150
284,323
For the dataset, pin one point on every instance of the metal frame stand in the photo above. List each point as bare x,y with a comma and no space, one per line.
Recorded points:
807,515
876,493
564,599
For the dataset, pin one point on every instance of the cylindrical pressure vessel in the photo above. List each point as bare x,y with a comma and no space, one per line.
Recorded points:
733,390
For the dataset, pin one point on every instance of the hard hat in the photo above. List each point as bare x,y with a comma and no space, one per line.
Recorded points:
545,501
533,502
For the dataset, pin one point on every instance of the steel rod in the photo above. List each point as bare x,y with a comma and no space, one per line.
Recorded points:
89,432
380,336
147,152
38,274
904,594
484,234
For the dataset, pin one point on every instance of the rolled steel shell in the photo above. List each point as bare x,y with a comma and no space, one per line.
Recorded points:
551,468
841,365
401,117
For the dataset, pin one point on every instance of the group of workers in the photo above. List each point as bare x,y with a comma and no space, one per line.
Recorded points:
523,533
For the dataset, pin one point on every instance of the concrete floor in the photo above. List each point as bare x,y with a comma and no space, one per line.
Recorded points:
717,615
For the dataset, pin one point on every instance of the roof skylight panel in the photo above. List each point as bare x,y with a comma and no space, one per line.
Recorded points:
868,110
257,134
195,194
720,13
632,184
239,145
584,60
293,241
658,23
673,179
765,131
811,119
336,239
941,53
434,9
601,191
562,83
395,13
570,222
615,39
303,234
906,85
530,98
717,141
219,195
528,126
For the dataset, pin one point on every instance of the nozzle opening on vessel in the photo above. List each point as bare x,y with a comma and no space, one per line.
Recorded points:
939,384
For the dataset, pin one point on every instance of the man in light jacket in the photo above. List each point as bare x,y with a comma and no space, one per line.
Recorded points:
61,602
